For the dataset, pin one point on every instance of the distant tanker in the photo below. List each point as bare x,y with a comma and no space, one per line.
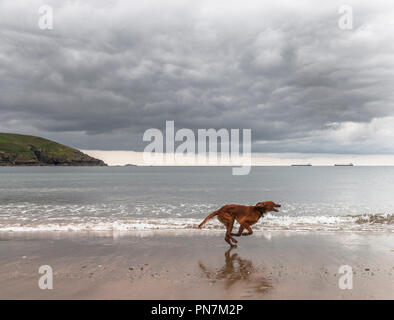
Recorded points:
344,165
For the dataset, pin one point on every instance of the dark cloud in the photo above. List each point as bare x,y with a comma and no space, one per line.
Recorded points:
112,69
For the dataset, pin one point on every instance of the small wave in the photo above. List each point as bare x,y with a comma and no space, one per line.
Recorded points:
374,218
373,223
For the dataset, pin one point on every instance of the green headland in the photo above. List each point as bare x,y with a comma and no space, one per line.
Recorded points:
24,150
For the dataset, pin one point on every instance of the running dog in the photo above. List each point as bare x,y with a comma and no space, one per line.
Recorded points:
245,216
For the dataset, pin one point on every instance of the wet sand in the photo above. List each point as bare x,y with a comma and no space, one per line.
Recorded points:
196,265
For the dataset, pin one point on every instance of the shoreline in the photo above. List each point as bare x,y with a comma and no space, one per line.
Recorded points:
192,232
196,265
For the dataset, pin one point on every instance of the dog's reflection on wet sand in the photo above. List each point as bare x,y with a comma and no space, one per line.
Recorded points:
238,270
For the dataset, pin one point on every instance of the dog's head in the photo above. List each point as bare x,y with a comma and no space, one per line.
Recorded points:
267,206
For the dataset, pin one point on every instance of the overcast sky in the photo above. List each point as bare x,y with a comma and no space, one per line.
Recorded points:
109,70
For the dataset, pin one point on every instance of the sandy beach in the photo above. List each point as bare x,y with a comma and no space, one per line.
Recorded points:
196,265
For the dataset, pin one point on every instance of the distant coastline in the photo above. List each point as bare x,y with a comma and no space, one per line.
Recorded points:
24,150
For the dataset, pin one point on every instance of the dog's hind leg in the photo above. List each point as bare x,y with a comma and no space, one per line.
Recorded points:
228,237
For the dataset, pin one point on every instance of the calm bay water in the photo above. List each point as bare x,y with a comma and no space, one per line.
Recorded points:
129,198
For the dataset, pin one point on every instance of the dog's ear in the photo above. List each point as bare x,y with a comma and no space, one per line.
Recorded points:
261,205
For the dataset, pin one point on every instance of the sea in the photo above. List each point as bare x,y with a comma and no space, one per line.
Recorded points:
330,199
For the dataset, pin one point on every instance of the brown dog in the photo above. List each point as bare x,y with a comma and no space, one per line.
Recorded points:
245,216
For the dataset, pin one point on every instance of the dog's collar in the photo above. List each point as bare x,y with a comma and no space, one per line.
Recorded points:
261,211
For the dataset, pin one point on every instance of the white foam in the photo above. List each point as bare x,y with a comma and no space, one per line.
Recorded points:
269,223
153,216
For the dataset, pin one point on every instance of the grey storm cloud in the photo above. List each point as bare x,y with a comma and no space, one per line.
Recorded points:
109,70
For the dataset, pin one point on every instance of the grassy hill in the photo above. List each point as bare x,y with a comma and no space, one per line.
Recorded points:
18,149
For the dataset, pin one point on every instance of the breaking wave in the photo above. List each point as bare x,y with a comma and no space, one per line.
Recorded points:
353,223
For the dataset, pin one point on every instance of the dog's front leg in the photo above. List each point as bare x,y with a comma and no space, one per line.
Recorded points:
250,231
241,228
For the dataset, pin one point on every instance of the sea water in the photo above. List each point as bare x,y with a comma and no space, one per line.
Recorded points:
333,199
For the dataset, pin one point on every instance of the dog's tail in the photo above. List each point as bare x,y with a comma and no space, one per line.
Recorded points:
207,218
